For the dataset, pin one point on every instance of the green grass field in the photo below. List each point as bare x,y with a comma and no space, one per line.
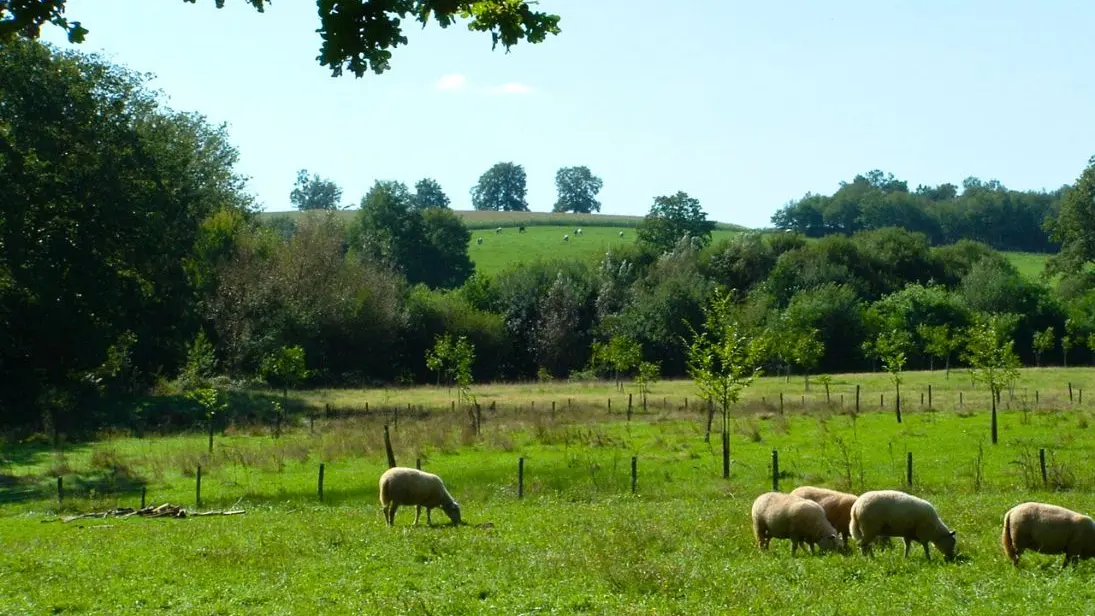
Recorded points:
500,250
579,541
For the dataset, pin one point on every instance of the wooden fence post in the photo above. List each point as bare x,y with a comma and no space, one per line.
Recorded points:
198,487
1070,392
1042,463
144,492
418,463
781,403
629,407
634,472
775,471
908,469
388,447
929,396
321,482
211,434
857,399
520,477
60,490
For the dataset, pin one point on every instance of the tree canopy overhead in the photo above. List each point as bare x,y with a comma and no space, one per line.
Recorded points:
357,35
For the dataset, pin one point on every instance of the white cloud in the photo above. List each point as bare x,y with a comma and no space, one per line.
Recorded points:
454,81
512,87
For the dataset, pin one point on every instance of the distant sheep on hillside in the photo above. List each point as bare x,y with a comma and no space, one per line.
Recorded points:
478,240
521,229
579,231
621,233
498,230
566,238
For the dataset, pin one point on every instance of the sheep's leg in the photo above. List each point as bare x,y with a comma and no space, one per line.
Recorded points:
417,512
908,544
391,514
429,522
865,546
794,546
927,555
811,547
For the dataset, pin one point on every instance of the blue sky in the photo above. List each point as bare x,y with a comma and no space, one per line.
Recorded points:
744,105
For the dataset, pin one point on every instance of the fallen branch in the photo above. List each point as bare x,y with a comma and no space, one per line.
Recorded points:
166,510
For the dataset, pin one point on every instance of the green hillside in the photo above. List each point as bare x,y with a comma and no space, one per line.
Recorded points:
543,237
501,249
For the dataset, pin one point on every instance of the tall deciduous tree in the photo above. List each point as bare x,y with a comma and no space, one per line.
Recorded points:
314,193
103,193
502,188
671,218
1074,226
428,194
429,246
577,188
356,35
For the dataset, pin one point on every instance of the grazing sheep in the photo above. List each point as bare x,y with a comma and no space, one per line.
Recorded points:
409,486
891,513
621,233
1048,529
521,229
837,506
579,231
783,516
566,238
478,240
498,230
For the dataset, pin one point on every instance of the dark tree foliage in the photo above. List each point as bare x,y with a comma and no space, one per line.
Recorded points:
983,211
1074,226
577,188
356,35
103,192
671,218
428,194
501,188
314,193
428,246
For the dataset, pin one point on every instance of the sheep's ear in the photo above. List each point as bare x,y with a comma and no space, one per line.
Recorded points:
953,532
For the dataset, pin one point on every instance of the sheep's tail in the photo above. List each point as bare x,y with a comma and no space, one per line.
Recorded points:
1006,541
853,525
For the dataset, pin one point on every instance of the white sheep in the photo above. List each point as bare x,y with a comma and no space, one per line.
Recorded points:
1048,529
498,230
478,240
566,238
579,231
409,486
892,513
621,233
837,506
783,516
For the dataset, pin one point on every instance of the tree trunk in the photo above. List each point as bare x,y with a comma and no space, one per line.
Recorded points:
710,420
931,363
948,366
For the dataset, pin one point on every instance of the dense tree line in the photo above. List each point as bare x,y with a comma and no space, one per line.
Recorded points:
983,211
131,260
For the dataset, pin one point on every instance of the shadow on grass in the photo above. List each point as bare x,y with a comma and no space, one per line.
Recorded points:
119,482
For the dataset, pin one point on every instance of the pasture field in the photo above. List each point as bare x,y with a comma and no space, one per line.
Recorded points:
578,542
500,250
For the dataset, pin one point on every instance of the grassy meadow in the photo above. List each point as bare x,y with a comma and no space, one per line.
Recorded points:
500,250
578,541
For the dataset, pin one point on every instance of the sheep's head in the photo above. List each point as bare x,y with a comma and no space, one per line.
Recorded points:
452,509
828,543
946,544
